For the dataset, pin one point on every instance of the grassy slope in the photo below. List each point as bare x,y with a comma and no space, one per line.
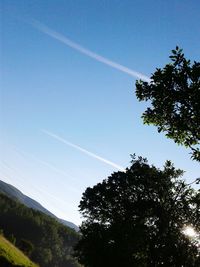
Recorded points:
11,256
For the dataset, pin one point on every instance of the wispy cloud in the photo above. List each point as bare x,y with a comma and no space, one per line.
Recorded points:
51,167
61,38
19,182
66,142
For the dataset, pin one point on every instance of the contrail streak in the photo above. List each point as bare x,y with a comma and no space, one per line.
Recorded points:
61,38
120,168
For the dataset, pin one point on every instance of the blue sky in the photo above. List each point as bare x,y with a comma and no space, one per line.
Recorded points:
47,85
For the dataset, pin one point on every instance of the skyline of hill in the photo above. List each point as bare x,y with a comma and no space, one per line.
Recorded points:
16,194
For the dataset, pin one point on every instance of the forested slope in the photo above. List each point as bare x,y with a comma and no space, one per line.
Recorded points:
17,195
42,238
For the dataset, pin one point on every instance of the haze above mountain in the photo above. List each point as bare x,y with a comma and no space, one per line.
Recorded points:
16,194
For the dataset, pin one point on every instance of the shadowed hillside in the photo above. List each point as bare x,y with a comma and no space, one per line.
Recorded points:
45,240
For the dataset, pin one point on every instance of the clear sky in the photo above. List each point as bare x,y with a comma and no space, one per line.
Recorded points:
69,115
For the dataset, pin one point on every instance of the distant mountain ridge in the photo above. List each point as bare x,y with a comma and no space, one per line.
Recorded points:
16,194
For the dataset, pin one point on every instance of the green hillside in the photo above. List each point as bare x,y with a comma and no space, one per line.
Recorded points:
12,256
42,238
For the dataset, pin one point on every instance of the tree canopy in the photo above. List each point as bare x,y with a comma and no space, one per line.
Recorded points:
174,95
137,217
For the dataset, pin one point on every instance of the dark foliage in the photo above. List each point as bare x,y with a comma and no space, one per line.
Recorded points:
5,263
174,94
45,240
136,218
26,246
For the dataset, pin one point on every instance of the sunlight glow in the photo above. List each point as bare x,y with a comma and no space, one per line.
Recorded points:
190,232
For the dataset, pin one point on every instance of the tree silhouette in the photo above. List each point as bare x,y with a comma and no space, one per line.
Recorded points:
137,217
174,95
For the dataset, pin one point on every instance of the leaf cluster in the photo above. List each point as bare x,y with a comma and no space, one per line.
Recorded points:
174,95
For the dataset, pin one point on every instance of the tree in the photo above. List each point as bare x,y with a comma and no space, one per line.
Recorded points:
26,246
12,238
174,94
137,217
